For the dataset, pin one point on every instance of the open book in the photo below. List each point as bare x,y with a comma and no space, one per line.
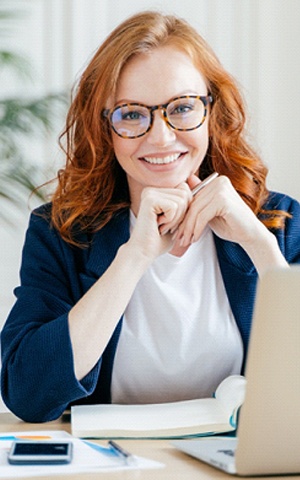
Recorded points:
206,416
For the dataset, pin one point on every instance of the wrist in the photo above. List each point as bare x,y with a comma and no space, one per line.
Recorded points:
137,258
264,251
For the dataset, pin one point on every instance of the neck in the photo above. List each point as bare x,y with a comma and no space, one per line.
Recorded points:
135,192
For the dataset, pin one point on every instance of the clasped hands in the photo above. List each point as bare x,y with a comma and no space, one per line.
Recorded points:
174,216
171,219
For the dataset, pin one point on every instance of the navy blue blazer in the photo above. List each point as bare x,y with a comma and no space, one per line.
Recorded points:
37,378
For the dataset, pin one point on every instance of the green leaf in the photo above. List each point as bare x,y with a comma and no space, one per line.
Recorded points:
15,62
21,119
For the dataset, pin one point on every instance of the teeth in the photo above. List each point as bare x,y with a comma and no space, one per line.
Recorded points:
164,160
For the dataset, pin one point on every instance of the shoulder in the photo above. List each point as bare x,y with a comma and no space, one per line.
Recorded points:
41,226
44,243
42,214
289,237
42,230
281,201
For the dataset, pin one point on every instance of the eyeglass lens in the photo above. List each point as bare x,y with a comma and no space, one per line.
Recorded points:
132,120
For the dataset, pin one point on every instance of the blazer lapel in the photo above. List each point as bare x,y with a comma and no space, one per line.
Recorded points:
240,280
104,247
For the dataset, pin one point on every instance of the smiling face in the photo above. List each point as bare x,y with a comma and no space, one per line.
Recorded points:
163,157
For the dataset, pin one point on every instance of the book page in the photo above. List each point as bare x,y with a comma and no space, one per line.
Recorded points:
231,393
151,419
191,417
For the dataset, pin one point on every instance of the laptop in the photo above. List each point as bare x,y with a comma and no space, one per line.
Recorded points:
268,434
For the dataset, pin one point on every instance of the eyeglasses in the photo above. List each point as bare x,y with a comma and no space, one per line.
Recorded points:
133,120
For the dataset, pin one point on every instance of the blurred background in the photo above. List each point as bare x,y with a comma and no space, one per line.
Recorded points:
44,47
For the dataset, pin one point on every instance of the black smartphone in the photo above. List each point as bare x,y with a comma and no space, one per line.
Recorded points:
44,452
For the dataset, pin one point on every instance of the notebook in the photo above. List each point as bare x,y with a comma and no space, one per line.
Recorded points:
268,434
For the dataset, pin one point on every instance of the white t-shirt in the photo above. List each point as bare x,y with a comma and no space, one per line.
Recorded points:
179,339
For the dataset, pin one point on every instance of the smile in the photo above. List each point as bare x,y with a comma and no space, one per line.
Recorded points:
162,160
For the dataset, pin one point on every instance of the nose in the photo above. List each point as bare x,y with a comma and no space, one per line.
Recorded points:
160,133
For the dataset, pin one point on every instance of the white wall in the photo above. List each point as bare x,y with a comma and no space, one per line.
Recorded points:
257,40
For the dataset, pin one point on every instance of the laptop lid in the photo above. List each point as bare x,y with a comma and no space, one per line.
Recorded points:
268,434
269,423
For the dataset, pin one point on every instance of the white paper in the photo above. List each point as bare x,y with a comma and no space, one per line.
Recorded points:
85,458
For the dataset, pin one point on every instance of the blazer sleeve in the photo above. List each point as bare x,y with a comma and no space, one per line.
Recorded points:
37,376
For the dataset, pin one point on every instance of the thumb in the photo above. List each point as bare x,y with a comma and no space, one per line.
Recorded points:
193,181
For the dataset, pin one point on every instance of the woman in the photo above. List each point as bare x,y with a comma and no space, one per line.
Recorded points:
132,288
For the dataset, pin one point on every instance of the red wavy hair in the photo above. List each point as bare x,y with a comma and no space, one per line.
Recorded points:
92,186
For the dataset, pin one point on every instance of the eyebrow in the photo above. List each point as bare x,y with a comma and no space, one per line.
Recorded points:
185,93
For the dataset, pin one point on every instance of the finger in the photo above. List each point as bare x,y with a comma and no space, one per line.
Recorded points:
193,181
168,224
192,231
201,211
201,222
182,200
166,211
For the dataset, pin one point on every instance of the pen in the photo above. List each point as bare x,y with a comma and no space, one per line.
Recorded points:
205,182
127,456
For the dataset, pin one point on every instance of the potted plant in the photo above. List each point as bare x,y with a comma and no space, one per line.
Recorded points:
23,120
